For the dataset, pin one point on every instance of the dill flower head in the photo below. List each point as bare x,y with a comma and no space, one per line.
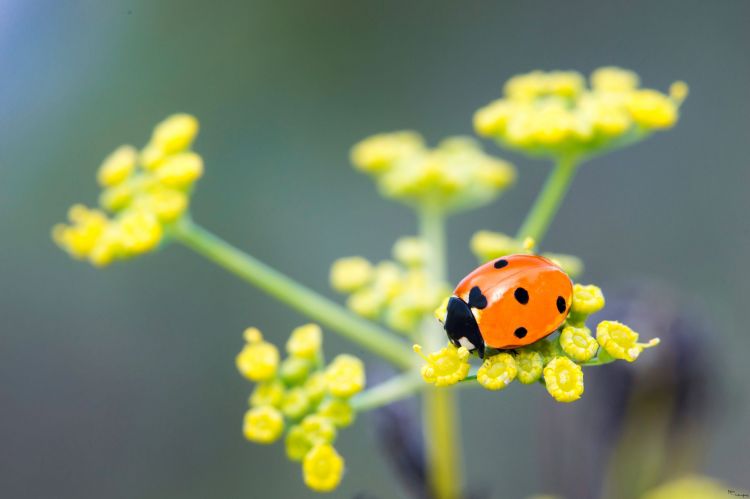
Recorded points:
263,425
345,376
555,113
259,359
142,193
447,366
564,379
621,342
456,175
322,468
497,371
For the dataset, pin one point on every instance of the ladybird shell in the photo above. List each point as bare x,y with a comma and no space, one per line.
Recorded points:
523,299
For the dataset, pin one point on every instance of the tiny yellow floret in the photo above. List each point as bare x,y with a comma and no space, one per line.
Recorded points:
296,443
258,360
339,411
564,379
180,170
497,372
268,393
652,109
529,366
587,300
305,341
378,153
447,366
322,468
175,133
263,425
296,403
578,343
117,166
614,79
350,274
620,341
318,429
345,376
410,251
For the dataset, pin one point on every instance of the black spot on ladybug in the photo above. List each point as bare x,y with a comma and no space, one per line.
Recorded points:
520,332
522,296
476,298
561,305
501,263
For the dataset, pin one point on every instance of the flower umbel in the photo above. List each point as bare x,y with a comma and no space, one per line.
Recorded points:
142,194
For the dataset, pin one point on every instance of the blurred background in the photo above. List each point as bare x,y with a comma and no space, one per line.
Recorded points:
121,382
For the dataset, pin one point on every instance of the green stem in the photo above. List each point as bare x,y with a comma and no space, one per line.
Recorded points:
439,414
304,300
396,388
548,202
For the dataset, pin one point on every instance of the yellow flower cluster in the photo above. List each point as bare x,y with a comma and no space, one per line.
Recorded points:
303,396
487,245
556,360
396,293
556,113
455,175
141,193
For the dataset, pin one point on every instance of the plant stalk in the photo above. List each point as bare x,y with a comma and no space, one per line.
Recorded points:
306,301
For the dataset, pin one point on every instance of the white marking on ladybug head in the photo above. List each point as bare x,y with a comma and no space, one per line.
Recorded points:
464,342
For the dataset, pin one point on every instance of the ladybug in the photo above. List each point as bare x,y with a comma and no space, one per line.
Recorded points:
508,303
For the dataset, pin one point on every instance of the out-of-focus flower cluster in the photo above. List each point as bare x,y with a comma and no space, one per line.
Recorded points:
556,113
456,175
555,360
302,398
395,292
142,191
487,245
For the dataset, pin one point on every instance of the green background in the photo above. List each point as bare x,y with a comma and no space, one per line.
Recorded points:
121,382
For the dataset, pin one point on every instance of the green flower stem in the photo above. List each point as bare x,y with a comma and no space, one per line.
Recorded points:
439,412
396,388
304,300
548,202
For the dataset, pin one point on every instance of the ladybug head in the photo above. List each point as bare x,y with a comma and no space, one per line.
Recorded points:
462,327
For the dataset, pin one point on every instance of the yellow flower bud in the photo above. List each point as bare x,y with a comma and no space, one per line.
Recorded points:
296,443
572,265
345,376
305,342
447,366
378,153
693,487
116,197
167,204
152,157
564,379
316,387
117,166
678,91
365,302
322,468
180,170
488,245
620,341
587,300
296,403
497,371
652,109
263,425
140,231
270,393
318,429
259,359
175,133
350,274
339,411
613,79
410,251
529,365
294,370
578,343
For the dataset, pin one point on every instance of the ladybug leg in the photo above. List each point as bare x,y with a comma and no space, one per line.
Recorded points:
462,327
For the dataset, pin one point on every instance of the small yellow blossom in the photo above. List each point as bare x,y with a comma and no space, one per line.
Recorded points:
305,341
548,348
652,109
323,468
410,251
295,404
571,265
318,429
350,274
167,204
620,341
259,359
365,302
578,343
694,487
497,372
613,79
564,379
529,365
117,166
339,411
447,366
294,370
587,300
117,197
268,393
378,153
140,231
80,238
180,170
263,425
296,443
678,91
175,133
345,376
316,387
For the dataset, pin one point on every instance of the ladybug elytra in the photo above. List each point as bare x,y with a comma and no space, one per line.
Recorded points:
508,303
